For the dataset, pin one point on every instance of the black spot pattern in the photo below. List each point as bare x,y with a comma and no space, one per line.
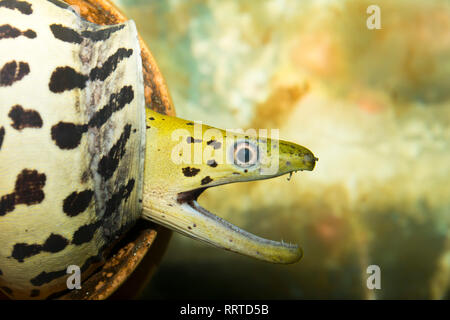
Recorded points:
65,34
117,198
69,35
46,277
24,118
215,144
116,102
7,203
206,180
109,163
68,135
23,250
2,135
77,202
192,140
7,31
12,72
85,233
53,244
101,73
22,6
211,163
190,172
28,190
66,78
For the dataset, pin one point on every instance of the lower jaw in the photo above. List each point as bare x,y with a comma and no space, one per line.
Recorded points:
187,217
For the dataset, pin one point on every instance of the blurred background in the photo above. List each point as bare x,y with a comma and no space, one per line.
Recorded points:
374,107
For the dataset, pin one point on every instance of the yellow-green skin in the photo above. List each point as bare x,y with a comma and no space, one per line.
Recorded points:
82,159
165,180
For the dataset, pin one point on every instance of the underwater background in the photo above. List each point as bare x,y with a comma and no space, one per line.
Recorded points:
373,106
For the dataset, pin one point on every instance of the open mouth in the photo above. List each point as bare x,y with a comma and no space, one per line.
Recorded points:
179,210
230,237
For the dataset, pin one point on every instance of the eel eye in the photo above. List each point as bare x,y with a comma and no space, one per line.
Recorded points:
245,154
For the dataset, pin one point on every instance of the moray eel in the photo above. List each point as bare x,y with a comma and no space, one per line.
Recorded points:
184,158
